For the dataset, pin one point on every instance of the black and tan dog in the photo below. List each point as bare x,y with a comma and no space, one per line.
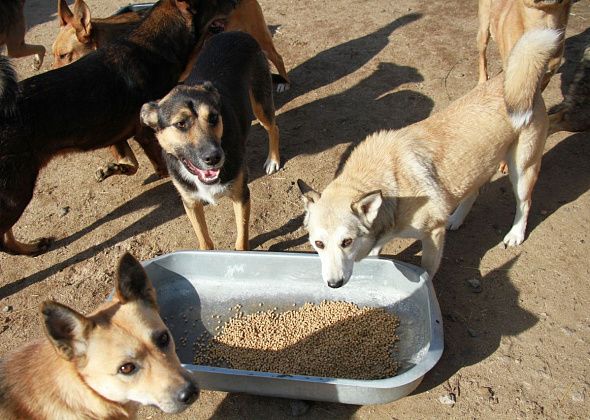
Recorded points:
12,32
100,366
92,103
203,126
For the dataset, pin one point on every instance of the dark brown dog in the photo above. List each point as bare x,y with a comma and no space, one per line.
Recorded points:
12,32
92,103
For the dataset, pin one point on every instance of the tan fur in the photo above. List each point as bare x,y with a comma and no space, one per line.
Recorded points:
508,20
48,379
425,171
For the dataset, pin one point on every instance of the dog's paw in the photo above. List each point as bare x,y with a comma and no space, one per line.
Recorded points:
37,61
271,166
283,87
513,238
453,223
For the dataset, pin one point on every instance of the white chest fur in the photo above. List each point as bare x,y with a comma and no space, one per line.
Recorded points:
202,192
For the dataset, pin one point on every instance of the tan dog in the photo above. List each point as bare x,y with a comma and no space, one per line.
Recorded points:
12,32
101,366
406,183
508,20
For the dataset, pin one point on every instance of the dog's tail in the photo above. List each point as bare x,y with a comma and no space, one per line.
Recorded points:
525,68
8,86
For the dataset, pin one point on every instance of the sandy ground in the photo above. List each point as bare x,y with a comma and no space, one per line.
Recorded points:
517,349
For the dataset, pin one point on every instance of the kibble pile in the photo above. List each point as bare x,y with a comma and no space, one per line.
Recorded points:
332,339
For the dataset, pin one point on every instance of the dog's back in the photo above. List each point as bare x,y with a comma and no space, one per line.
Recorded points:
8,14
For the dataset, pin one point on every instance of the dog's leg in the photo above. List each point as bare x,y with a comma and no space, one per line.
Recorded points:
263,109
146,138
10,244
196,215
240,196
432,250
126,162
16,46
524,162
375,251
458,217
483,37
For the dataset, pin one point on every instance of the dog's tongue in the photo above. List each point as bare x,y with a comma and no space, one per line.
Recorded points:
209,174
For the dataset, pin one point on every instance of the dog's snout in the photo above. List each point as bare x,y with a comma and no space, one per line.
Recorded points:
212,157
335,284
188,394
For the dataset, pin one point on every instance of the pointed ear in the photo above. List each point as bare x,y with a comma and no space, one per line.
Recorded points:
133,283
367,207
64,13
308,194
149,115
186,9
81,21
66,329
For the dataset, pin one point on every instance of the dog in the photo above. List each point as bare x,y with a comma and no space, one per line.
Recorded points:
93,102
101,366
80,34
508,20
12,32
203,125
573,114
406,183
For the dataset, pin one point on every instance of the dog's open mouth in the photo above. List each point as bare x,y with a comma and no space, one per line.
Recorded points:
217,26
207,176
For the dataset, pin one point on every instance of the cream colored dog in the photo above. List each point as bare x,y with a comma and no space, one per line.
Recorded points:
508,20
406,183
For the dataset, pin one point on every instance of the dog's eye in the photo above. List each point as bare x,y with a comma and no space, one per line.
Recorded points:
163,340
181,125
346,243
319,244
64,56
213,118
127,369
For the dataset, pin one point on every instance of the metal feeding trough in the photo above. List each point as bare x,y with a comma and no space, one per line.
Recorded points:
193,286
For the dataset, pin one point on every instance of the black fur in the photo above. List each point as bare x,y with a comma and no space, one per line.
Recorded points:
9,11
95,101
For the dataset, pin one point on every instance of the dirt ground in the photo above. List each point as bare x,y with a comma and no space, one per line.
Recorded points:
520,348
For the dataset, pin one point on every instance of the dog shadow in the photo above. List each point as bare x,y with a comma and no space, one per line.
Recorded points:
573,52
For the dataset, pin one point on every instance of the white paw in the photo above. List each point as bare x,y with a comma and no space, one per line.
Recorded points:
283,87
37,62
453,223
271,166
513,238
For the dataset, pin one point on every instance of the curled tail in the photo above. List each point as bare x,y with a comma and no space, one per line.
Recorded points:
524,70
8,86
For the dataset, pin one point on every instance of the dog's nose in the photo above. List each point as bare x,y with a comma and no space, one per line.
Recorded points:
189,394
212,158
335,284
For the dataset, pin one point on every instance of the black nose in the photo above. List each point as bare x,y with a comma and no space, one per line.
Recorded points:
335,284
189,394
212,157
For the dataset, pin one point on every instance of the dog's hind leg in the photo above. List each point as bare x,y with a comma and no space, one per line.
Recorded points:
432,250
483,37
240,196
16,46
264,110
458,217
146,138
126,163
524,163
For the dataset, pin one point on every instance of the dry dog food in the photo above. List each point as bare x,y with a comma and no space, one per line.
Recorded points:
332,339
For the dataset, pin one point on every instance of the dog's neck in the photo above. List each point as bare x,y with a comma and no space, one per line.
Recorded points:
38,383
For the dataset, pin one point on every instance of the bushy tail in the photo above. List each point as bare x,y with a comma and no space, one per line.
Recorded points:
525,68
8,86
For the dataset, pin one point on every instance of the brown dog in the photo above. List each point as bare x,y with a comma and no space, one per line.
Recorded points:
507,20
12,32
101,366
80,34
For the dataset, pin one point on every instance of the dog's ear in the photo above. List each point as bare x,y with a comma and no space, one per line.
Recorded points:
149,115
367,207
308,194
186,9
64,13
132,282
81,21
66,329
